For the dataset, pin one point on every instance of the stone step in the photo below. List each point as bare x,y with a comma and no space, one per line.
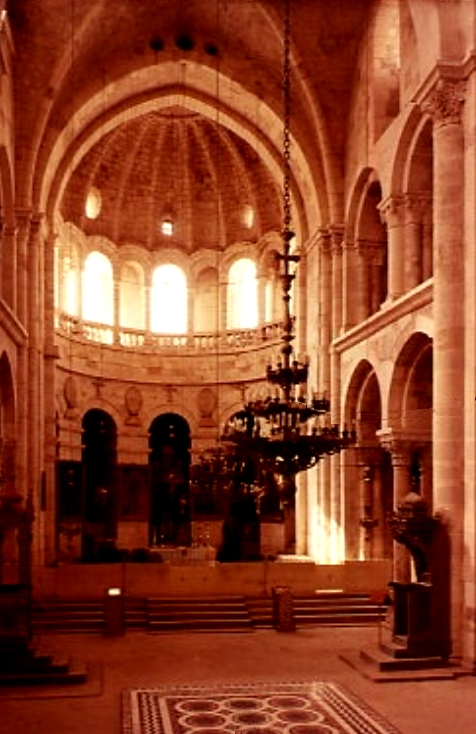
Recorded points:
372,663
60,672
325,608
214,613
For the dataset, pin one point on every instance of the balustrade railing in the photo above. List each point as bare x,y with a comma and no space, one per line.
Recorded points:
230,339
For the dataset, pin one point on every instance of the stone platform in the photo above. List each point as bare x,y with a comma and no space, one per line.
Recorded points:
203,577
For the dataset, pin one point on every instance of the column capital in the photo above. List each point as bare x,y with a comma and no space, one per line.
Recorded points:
323,239
23,217
444,102
399,446
415,206
336,234
390,209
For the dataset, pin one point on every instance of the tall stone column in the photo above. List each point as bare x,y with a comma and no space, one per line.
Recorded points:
349,284
49,399
371,518
413,258
335,529
324,377
400,452
23,217
362,295
378,290
35,413
445,105
336,234
392,215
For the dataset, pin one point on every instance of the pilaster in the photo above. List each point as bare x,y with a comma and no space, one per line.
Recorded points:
391,212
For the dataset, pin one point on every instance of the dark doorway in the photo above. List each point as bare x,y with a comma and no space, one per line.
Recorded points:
170,463
100,487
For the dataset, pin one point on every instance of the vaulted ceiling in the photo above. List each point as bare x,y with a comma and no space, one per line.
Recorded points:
73,52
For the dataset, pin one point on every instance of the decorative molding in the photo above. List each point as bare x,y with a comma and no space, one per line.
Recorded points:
445,102
388,314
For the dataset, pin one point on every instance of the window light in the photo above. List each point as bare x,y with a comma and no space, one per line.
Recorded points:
93,204
167,227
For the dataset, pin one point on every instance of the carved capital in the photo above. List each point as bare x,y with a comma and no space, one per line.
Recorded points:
398,446
391,211
416,205
324,241
336,233
445,102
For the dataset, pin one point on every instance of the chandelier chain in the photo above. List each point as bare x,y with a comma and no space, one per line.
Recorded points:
286,127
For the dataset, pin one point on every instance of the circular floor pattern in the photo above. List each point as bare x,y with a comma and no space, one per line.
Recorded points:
242,704
252,717
198,721
198,705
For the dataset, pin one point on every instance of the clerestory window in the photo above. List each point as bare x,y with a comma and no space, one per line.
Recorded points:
169,300
98,289
242,308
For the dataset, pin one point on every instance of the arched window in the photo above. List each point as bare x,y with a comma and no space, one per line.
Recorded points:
67,281
132,297
169,300
242,311
98,290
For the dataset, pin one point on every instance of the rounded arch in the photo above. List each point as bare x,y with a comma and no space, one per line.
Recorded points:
100,404
169,459
158,87
98,289
101,494
242,294
363,402
413,367
363,180
169,300
412,126
7,422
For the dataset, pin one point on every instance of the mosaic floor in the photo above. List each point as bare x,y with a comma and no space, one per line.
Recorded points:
263,708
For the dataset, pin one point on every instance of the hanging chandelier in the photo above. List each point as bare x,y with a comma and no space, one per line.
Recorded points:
286,432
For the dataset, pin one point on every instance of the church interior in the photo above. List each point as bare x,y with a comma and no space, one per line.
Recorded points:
237,345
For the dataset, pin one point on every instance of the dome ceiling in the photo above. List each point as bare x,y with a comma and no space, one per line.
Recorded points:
179,166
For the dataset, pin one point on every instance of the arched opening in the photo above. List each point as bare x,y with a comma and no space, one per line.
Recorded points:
368,475
98,289
7,427
169,459
100,498
371,242
242,295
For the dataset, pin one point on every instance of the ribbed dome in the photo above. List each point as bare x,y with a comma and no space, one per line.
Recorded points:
178,165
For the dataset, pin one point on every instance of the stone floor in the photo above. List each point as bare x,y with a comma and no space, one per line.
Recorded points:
142,660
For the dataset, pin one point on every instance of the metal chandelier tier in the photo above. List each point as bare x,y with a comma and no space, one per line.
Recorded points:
286,433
